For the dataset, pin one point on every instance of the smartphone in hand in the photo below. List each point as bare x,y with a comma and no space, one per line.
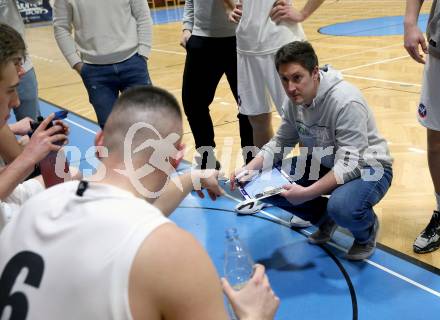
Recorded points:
48,166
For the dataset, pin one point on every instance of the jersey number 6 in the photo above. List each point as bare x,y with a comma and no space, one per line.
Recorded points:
17,300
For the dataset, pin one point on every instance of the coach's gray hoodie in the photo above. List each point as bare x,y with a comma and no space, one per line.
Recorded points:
338,122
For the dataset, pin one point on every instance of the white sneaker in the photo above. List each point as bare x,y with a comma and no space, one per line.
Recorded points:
297,222
249,206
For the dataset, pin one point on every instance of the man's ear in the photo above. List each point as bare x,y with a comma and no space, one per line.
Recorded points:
99,144
99,139
315,73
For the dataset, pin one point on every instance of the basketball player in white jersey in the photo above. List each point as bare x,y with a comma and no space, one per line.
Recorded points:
264,26
21,161
99,249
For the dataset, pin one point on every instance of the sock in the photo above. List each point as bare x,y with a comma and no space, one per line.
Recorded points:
437,197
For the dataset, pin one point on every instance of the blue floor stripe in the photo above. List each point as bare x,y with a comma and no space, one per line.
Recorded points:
162,16
382,26
307,280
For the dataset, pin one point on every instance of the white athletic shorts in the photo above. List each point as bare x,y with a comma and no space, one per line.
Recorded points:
428,112
12,204
258,82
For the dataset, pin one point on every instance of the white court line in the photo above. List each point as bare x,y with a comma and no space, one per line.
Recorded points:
41,58
382,80
385,269
398,275
347,69
417,150
169,51
362,52
80,126
374,63
285,223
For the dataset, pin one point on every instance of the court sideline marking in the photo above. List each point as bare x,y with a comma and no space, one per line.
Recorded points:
285,223
382,80
80,126
374,63
375,264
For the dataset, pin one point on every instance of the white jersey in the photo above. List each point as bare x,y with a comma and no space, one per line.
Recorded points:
69,256
258,34
12,204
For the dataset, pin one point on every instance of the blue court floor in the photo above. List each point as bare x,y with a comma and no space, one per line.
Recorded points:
380,26
313,282
162,16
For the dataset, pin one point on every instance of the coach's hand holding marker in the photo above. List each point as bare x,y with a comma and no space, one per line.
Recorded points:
242,176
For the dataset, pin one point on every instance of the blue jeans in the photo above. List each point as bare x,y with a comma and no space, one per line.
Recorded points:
350,205
28,94
105,82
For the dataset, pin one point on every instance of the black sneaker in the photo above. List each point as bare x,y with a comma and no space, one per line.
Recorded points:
324,232
429,239
361,251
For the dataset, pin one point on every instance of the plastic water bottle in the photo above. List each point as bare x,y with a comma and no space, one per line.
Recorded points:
239,265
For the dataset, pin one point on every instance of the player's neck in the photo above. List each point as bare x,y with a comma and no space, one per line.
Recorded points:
117,175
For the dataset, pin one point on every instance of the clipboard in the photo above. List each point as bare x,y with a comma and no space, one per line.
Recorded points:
264,185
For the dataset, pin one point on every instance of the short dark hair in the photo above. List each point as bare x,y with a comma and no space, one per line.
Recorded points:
143,104
11,44
300,52
153,98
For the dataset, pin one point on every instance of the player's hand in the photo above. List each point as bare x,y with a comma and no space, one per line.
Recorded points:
412,39
296,194
282,11
21,127
65,127
235,15
208,180
255,300
24,140
45,140
186,34
78,67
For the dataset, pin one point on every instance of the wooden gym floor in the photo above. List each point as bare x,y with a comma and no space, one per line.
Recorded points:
378,65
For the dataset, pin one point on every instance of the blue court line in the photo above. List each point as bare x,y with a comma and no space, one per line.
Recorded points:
387,262
309,283
159,16
381,26
162,16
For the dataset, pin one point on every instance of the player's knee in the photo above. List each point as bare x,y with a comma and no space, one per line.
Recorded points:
340,210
